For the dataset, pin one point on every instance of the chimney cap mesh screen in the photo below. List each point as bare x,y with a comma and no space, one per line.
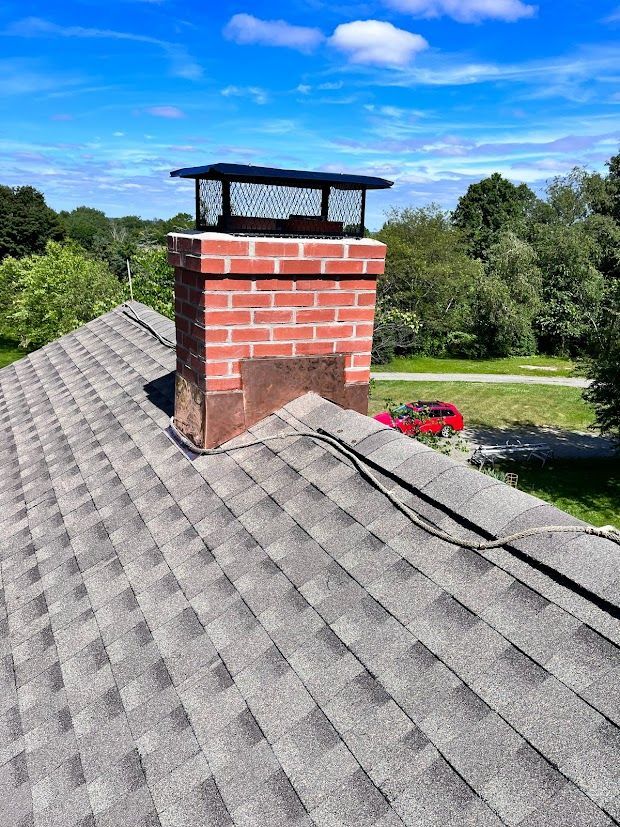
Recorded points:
249,200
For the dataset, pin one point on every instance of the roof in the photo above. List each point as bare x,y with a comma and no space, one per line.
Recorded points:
260,638
271,175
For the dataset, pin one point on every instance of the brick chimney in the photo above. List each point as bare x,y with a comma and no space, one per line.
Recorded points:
260,321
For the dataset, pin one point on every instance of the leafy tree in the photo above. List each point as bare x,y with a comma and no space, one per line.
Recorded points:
604,369
428,272
492,205
153,280
89,227
572,287
179,223
26,222
504,302
50,295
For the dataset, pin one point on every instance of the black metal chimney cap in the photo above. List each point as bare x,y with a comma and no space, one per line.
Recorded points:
248,174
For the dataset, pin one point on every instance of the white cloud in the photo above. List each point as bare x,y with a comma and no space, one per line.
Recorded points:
466,11
165,112
257,94
182,65
246,29
377,42
614,17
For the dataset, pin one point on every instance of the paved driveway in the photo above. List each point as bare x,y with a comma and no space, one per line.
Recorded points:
496,378
565,444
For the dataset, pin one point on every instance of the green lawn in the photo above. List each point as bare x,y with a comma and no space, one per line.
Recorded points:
495,406
9,352
587,489
512,364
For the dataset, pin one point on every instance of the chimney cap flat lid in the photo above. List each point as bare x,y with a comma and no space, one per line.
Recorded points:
246,173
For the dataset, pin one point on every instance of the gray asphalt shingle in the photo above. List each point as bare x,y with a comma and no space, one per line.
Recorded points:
261,638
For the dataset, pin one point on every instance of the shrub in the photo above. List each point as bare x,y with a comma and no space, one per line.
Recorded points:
46,296
462,345
153,280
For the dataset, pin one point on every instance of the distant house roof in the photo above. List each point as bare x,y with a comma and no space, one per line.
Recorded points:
260,638
250,174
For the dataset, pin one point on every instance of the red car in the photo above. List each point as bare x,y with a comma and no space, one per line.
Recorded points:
424,417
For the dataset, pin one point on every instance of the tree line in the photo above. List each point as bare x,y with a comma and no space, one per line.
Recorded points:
505,273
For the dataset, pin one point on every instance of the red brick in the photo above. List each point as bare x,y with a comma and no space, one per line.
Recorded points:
363,330
366,299
354,346
358,284
377,267
334,331
258,266
212,299
367,250
206,265
250,334
311,348
357,374
182,324
228,284
314,249
251,299
231,351
361,360
294,299
294,331
181,291
216,334
274,284
272,349
276,248
356,314
229,384
316,284
224,247
226,317
317,314
183,245
273,316
174,259
340,299
217,368
344,267
298,266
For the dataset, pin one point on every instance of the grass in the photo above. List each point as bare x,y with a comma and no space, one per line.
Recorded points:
9,352
555,366
587,489
495,406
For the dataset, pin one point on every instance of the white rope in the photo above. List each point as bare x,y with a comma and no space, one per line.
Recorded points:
606,533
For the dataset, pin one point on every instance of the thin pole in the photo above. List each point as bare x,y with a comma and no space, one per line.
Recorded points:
130,282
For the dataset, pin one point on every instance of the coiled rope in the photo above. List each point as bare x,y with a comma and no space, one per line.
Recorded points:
609,533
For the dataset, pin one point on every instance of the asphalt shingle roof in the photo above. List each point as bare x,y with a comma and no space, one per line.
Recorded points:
260,638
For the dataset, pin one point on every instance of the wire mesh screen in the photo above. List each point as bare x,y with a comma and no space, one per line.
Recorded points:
275,209
345,206
210,202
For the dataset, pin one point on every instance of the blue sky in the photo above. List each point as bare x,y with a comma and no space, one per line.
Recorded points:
100,100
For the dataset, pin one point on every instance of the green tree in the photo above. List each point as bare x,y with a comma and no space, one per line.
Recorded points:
153,279
428,272
505,301
52,294
572,287
490,206
26,222
89,227
603,367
